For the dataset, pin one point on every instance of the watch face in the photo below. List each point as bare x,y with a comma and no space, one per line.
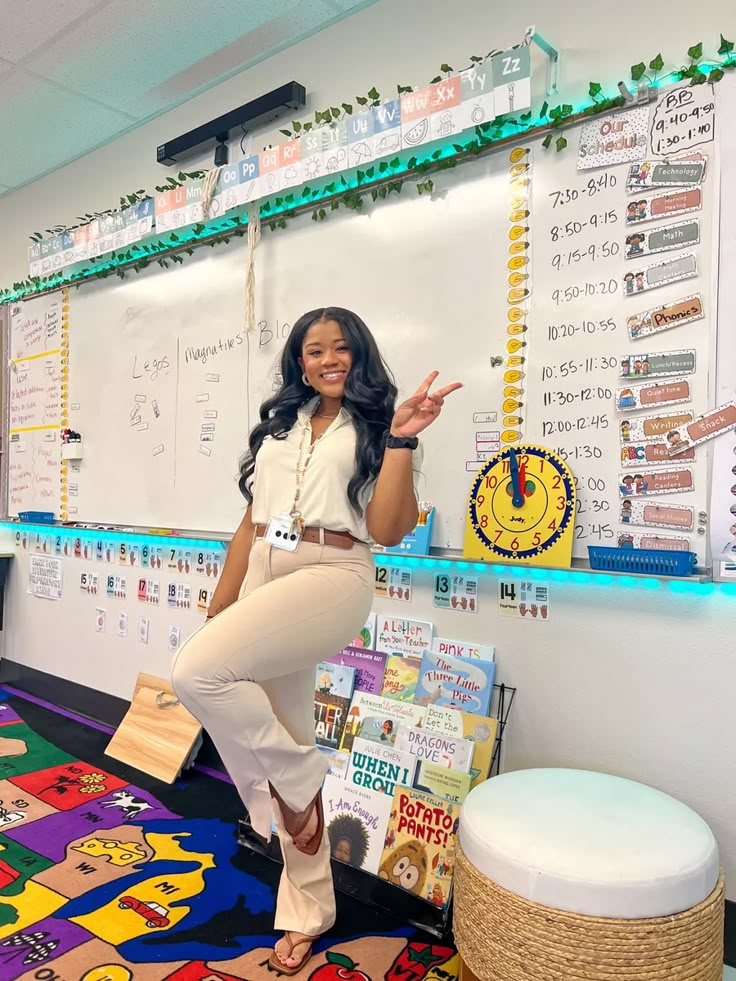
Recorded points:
518,512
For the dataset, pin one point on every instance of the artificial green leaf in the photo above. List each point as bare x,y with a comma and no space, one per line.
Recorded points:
361,100
371,172
556,112
360,176
716,75
374,93
544,110
525,117
657,64
476,59
697,79
286,133
435,80
403,89
437,154
393,164
335,112
382,167
560,143
638,70
567,109
348,108
594,89
447,69
726,46
547,141
297,127
173,237
696,51
289,199
374,194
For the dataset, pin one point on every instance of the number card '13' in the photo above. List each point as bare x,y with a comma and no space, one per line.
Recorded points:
521,509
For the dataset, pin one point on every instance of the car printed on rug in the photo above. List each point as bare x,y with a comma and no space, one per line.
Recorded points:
155,916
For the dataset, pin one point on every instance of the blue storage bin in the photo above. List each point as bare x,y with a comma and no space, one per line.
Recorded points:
644,561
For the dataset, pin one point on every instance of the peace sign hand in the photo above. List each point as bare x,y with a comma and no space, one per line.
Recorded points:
421,409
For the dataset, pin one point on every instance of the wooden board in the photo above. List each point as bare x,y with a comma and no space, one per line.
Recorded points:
157,734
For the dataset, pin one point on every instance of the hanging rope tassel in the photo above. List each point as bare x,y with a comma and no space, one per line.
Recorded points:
254,237
209,185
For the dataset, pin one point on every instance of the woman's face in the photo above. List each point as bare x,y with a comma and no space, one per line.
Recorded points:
326,358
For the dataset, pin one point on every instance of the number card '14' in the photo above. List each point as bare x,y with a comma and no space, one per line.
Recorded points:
521,509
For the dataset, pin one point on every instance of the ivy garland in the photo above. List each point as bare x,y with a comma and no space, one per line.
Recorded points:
380,181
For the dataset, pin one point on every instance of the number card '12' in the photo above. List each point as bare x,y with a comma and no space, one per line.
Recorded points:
521,509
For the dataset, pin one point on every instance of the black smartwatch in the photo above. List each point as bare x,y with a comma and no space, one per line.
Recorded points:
400,442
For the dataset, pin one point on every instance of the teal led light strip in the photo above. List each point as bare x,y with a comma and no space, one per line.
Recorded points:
420,562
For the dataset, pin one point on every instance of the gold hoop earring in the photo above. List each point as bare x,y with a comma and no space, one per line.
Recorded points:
305,381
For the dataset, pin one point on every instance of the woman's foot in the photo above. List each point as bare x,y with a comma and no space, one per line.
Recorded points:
310,829
305,828
292,953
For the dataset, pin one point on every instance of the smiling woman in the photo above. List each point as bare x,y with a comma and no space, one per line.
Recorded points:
329,470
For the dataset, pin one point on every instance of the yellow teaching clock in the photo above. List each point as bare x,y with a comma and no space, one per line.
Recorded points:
522,508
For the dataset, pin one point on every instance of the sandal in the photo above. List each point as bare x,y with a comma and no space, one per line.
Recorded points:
276,964
301,820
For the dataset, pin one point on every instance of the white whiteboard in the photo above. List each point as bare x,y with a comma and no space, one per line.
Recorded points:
429,279
579,336
153,361
430,276
35,331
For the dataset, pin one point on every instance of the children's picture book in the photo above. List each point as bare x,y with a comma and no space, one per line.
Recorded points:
435,747
400,677
455,682
337,762
419,851
379,768
332,696
437,780
369,667
399,636
461,648
480,731
367,635
379,711
356,820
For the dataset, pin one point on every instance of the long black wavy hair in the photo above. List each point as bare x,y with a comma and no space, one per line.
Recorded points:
370,399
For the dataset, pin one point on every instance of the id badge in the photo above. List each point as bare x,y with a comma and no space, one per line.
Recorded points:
283,532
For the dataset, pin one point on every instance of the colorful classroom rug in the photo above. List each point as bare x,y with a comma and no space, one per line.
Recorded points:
101,881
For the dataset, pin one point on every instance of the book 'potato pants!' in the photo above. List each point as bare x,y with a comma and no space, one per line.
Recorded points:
248,676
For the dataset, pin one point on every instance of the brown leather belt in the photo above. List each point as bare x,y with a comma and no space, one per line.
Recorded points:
319,536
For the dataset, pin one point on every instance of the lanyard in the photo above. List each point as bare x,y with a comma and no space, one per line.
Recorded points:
300,472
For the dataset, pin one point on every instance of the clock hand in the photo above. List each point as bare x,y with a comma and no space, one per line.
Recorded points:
522,478
518,499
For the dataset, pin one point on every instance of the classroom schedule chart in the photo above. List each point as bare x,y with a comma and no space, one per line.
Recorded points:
623,319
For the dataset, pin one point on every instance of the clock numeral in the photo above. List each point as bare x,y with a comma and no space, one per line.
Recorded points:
560,503
514,544
553,524
480,499
537,540
557,480
492,481
498,535
484,521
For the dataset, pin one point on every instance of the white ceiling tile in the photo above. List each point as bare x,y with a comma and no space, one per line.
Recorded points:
128,49
49,126
29,24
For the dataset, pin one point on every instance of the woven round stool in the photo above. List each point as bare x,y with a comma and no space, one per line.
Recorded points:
567,875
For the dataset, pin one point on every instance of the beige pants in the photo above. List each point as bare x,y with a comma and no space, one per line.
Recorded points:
248,676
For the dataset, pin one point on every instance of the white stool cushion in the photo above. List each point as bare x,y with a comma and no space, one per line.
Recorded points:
589,843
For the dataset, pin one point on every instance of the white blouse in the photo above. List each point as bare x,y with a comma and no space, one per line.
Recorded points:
323,501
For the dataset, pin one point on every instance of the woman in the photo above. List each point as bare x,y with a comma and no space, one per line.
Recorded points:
329,469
